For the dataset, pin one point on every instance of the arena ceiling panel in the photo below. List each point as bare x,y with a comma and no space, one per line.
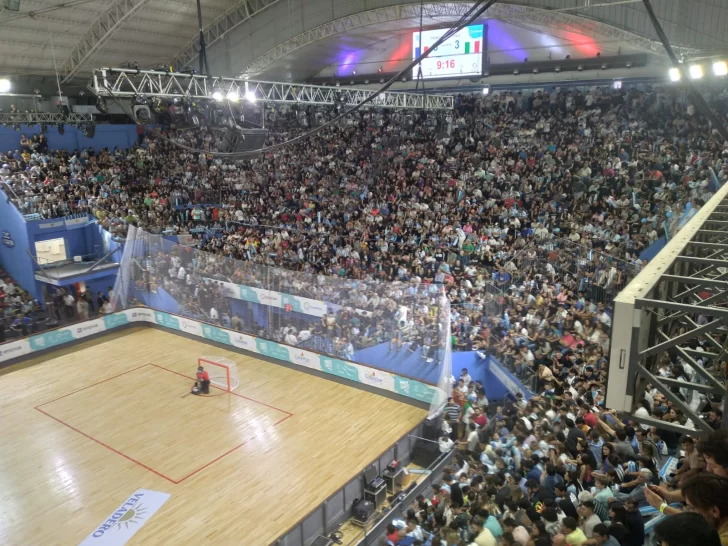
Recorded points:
294,38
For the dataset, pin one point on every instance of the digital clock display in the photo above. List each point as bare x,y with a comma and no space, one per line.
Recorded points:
459,55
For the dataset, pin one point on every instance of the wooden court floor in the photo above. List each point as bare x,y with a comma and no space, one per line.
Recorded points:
83,428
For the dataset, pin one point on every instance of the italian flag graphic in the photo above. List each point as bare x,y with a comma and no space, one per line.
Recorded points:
472,46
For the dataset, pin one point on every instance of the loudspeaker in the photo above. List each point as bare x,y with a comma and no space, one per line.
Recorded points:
243,140
431,428
363,510
425,453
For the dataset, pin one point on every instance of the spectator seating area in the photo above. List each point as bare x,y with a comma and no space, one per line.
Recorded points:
529,212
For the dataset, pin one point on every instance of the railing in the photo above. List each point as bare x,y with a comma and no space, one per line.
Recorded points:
321,521
676,306
372,534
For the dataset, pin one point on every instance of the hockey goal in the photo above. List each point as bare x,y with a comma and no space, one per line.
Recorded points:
223,372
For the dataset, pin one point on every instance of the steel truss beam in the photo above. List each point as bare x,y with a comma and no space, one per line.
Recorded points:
126,83
99,33
678,305
231,19
40,117
451,11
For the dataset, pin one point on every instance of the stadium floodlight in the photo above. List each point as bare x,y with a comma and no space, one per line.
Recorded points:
675,75
250,96
5,85
696,71
217,94
720,68
233,96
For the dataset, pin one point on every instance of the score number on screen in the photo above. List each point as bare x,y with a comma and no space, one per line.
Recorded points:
459,55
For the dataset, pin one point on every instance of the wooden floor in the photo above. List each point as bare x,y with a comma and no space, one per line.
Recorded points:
83,428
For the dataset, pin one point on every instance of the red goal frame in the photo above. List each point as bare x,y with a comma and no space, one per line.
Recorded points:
207,363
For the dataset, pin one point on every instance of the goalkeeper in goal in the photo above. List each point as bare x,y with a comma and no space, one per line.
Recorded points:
202,385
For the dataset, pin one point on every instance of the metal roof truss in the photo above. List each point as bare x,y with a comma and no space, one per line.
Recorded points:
126,83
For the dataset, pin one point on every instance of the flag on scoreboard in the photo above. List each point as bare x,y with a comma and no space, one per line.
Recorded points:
472,46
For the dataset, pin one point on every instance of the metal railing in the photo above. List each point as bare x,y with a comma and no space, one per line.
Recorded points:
328,517
671,324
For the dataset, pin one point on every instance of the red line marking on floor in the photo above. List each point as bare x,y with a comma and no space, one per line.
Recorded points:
215,460
127,457
106,446
94,384
220,388
281,420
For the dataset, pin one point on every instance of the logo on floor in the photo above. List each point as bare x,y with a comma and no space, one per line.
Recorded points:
126,520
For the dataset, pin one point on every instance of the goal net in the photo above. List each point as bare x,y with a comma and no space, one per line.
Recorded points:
222,371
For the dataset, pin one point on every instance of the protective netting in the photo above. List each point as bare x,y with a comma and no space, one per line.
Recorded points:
398,332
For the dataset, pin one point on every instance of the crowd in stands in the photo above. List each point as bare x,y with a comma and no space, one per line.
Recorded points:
530,209
527,211
560,469
19,309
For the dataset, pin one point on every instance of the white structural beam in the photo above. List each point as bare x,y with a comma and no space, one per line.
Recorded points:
452,11
223,24
99,33
33,118
128,83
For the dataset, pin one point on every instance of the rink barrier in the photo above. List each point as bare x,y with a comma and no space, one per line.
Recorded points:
35,344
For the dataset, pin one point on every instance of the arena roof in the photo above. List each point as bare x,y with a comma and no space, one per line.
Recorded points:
300,39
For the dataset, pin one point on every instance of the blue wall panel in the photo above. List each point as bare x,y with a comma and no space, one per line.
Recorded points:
107,136
13,245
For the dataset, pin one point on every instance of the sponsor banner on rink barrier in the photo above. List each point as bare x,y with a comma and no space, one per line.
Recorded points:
243,341
166,320
190,327
350,371
414,389
60,336
117,319
88,328
304,358
140,315
339,368
213,333
376,378
49,339
273,349
14,349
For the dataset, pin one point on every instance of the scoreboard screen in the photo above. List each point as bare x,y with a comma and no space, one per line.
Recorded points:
459,55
